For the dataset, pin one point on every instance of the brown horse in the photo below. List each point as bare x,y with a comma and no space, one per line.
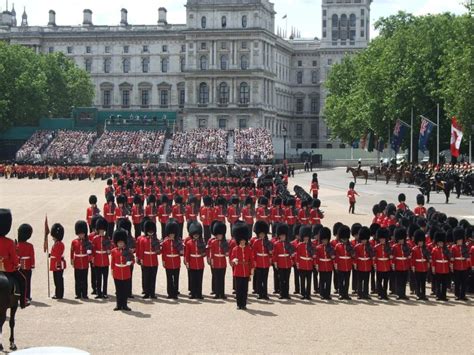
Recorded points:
356,173
7,301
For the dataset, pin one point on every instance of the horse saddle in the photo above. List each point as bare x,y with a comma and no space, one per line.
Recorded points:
14,284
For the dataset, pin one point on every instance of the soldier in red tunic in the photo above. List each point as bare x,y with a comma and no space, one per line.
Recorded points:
460,262
207,216
420,263
147,250
121,261
316,215
248,212
218,251
305,261
81,253
137,215
262,250
324,262
92,211
351,195
171,251
344,252
282,259
440,257
234,211
194,254
178,213
57,264
401,262
420,209
242,261
26,255
382,261
363,255
110,214
101,246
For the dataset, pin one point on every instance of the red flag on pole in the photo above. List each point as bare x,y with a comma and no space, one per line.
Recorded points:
46,233
456,137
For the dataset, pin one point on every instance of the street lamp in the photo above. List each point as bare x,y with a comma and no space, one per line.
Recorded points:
285,131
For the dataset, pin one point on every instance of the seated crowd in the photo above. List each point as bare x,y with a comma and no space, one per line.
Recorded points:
35,146
200,145
70,146
253,145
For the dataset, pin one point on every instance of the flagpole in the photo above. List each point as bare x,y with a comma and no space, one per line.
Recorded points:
411,138
470,149
437,134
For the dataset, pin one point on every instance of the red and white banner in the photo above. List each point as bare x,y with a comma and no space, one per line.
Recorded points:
456,137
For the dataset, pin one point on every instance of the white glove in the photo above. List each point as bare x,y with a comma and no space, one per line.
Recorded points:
128,263
89,252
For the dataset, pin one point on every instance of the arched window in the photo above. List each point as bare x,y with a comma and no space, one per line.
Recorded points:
88,65
299,77
244,21
224,62
224,22
352,20
107,65
314,76
126,65
203,62
244,93
203,94
164,65
244,62
343,24
223,94
145,65
203,22
335,28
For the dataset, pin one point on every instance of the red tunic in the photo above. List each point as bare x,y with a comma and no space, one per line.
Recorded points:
151,213
192,257
263,214
26,255
56,260
170,256
304,260
233,214
137,214
399,260
322,259
219,214
190,214
315,216
290,216
363,261
242,261
281,257
459,262
382,260
304,216
277,214
216,255
418,260
121,269
206,215
109,212
247,215
79,257
261,254
343,259
100,252
420,211
145,252
440,261
91,212
351,194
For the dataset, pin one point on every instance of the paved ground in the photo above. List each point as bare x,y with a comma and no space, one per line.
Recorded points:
213,326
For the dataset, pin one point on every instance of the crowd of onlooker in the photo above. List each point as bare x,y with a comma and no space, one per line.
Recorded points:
253,145
125,146
201,145
70,146
33,148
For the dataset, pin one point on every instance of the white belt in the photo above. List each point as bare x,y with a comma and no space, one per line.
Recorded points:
401,258
305,258
81,255
382,259
220,255
326,259
173,255
25,257
420,260
149,252
52,257
283,255
442,261
121,265
460,258
196,255
345,257
164,215
364,259
101,252
260,254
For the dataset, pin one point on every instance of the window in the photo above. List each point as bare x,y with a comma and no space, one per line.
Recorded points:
300,63
243,123
244,94
145,49
324,23
107,65
299,130
299,105
314,130
106,98
203,62
324,12
182,64
145,65
244,21
88,65
223,94
314,77
163,98
107,49
203,22
164,48
352,20
244,45
362,22
330,61
126,49
126,65
203,94
181,98
203,46
222,123
223,45
224,22
335,29
88,50
244,62
299,77
69,50
315,63
145,97
362,12
51,49
125,98
202,123
224,62
315,106
343,27
164,65
362,33
183,48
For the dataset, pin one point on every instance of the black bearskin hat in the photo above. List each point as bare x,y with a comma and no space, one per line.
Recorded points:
124,223
137,199
263,201
57,231
164,199
101,224
352,185
400,233
195,228
80,227
120,235
402,198
419,236
316,203
93,200
261,227
325,233
171,228
420,199
110,198
248,201
277,201
24,232
305,231
149,227
178,199
383,233
458,233
219,228
364,233
207,201
282,228
121,200
5,222
151,199
234,200
440,237
240,231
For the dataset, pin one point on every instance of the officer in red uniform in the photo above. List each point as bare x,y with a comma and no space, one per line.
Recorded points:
220,210
57,264
291,215
420,209
401,262
420,263
178,212
402,206
262,250
315,215
92,210
304,214
26,255
324,262
207,216
242,261
171,251
440,257
101,247
282,259
351,195
460,262
81,253
147,250
194,254
305,261
262,213
218,251
137,215
151,209
121,262
382,262
233,212
343,252
110,214
363,260
191,211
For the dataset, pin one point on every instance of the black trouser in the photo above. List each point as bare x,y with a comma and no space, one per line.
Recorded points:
336,281
460,283
137,229
442,281
401,282
149,279
102,276
325,284
93,278
276,280
305,280
122,288
352,207
355,281
291,236
196,282
17,275
163,228
297,279
129,284
284,278
27,276
420,284
382,283
411,281
110,229
261,277
392,283
373,283
80,277
180,230
343,278
363,284
219,282
207,233
315,281
58,283
242,289
172,282
213,282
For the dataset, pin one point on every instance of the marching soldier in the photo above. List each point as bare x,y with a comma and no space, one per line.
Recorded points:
420,210
276,214
81,252
178,212
26,254
164,214
233,212
305,261
401,262
282,260
121,261
151,210
363,255
263,214
101,247
207,216
57,264
171,250
110,214
137,215
382,262
316,215
324,257
344,252
92,211
248,212
420,263
147,251
262,250
304,214
194,253
440,257
460,258
218,250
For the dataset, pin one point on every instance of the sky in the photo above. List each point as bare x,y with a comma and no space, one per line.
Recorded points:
305,15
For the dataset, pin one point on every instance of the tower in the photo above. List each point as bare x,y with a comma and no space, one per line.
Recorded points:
345,23
13,16
24,18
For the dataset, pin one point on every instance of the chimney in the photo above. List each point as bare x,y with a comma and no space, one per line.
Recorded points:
162,16
123,20
52,18
87,18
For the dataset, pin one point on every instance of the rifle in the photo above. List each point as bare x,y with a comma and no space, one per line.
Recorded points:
45,249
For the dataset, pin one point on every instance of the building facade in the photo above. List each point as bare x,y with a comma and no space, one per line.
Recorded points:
226,67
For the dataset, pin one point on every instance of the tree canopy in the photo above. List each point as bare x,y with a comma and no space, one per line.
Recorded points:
34,85
416,62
